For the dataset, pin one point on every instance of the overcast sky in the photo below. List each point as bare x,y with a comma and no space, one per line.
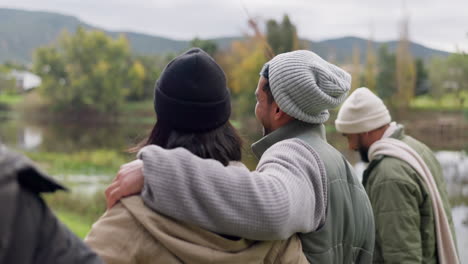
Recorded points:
441,24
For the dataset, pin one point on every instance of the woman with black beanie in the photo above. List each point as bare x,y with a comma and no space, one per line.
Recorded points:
193,106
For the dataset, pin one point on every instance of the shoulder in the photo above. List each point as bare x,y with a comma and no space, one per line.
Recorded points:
294,154
295,158
116,222
391,169
391,174
293,147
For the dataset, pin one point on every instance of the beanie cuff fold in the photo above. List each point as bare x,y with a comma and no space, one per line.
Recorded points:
363,125
192,116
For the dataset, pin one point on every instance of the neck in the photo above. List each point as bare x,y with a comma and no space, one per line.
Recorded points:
290,130
281,123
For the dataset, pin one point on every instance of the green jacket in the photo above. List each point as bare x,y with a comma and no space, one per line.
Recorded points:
404,219
346,236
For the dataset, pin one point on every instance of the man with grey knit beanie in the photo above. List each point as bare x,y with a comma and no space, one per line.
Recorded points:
301,184
404,182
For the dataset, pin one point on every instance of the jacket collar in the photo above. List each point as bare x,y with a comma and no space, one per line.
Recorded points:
14,166
290,130
398,134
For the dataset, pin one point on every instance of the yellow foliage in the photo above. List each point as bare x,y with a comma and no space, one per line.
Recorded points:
102,66
138,70
242,65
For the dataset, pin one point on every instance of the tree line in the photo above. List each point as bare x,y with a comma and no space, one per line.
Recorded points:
89,70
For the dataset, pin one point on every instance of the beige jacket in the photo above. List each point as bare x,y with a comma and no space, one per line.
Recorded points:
132,233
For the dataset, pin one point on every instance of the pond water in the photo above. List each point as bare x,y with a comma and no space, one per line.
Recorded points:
66,138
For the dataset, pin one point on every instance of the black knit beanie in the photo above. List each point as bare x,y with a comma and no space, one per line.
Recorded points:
191,94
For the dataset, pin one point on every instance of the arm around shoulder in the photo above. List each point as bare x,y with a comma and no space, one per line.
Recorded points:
277,200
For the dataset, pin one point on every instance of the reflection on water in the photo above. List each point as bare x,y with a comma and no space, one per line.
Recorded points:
460,220
70,137
454,165
32,138
81,184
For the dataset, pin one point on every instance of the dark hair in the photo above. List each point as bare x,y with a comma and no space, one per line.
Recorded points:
222,144
265,72
266,88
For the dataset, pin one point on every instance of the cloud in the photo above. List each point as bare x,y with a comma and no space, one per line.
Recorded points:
435,23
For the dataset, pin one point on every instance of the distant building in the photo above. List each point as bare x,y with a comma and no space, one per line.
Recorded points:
25,80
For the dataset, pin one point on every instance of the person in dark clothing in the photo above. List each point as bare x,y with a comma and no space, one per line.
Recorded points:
29,231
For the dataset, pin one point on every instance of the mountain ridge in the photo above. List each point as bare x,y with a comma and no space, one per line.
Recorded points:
22,31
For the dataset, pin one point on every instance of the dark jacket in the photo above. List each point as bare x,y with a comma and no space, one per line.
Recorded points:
29,231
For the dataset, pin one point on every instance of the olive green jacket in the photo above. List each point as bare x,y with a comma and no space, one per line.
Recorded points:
404,218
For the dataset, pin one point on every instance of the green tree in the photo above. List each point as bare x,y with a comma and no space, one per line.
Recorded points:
386,77
7,84
207,45
422,78
15,66
450,75
86,71
458,74
438,77
282,37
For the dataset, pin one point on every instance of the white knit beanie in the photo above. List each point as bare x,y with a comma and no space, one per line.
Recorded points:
305,86
362,112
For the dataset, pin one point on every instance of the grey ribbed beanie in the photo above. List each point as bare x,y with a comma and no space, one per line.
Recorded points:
305,86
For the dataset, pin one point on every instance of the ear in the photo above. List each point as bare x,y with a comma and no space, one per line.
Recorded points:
278,114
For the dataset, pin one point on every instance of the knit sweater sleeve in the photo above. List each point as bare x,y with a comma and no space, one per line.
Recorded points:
285,195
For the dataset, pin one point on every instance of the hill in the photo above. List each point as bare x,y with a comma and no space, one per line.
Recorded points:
21,32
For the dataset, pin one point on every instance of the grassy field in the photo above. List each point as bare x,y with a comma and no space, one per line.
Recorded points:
77,212
10,99
446,102
92,162
74,222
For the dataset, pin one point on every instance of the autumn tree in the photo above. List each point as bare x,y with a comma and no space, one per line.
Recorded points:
242,64
405,68
143,75
244,60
